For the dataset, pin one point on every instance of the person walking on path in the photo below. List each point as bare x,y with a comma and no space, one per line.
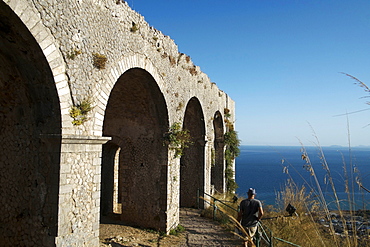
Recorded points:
250,213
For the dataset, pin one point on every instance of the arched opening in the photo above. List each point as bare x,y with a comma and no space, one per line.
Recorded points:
218,160
192,165
30,138
110,203
136,118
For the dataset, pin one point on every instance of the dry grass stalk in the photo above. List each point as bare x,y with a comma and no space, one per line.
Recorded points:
312,204
245,235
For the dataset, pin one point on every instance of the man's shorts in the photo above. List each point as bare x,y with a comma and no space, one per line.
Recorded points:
251,230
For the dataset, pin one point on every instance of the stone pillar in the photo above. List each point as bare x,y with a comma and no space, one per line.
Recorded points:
207,170
173,191
117,206
219,166
79,191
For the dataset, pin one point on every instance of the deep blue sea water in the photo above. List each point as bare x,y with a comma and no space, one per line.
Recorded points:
261,167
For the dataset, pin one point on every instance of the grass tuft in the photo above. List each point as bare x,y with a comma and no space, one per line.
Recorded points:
99,61
179,229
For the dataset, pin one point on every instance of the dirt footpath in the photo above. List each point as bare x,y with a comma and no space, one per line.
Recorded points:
200,231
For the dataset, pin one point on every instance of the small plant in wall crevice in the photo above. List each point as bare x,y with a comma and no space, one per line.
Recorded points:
99,61
177,139
134,27
73,54
79,112
180,106
227,113
193,70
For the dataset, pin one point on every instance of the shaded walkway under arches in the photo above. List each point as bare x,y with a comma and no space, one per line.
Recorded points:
192,163
218,160
136,118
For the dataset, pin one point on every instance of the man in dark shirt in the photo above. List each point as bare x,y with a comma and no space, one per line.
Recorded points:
250,213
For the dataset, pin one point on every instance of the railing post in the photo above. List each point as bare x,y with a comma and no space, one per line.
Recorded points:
271,239
214,212
258,237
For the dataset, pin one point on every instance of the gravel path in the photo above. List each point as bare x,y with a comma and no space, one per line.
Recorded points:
199,231
202,231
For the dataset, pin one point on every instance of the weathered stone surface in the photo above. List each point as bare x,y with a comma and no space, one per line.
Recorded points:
56,176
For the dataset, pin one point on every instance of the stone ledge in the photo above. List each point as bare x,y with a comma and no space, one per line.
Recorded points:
76,139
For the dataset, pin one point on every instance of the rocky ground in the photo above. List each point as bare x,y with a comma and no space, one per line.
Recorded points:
199,231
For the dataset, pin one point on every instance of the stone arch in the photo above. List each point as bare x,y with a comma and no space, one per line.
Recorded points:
136,118
30,137
128,62
31,19
192,163
218,159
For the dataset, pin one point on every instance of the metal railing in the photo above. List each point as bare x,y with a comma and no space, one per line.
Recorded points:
263,232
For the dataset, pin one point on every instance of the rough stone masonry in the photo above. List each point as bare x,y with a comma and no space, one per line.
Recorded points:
88,91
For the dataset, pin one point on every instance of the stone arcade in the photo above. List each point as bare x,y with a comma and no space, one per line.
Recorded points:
58,176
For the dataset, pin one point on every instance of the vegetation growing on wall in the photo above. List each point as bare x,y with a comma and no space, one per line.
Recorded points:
134,27
180,106
73,54
172,60
193,70
227,113
79,112
99,61
232,151
178,139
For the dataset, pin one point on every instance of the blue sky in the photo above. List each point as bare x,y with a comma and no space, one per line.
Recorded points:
280,60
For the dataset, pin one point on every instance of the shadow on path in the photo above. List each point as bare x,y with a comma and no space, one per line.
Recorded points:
201,231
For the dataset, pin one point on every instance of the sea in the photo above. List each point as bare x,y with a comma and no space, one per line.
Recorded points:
268,168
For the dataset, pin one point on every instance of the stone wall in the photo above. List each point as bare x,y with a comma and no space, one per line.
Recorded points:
79,194
58,175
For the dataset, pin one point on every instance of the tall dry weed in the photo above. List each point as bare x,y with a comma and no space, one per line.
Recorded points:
313,206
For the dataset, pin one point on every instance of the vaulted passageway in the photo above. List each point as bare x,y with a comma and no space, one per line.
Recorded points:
218,161
30,138
136,118
192,163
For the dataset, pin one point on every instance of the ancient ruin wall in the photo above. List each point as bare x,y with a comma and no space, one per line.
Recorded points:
69,34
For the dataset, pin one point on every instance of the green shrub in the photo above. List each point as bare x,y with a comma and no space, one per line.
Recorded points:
232,151
178,139
79,112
